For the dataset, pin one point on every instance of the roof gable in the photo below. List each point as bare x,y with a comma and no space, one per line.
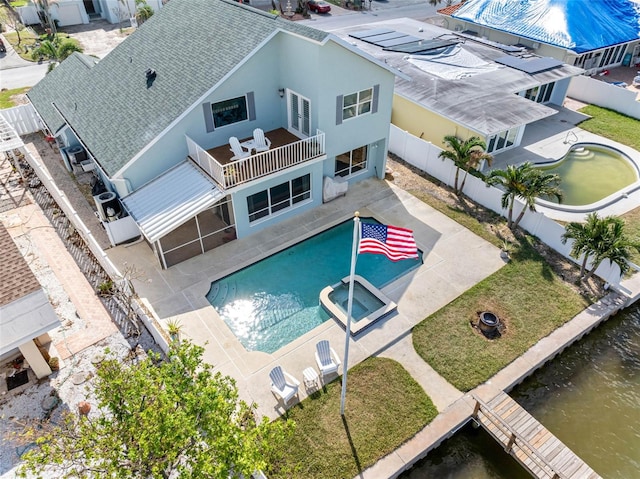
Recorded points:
191,44
576,25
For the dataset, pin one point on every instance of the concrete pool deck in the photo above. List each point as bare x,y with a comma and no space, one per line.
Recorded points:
454,260
550,139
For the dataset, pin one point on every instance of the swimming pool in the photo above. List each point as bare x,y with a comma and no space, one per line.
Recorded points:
591,172
274,301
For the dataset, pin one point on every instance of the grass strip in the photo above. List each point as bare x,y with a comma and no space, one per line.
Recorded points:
384,408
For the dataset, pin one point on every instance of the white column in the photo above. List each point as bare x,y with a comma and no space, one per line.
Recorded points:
33,356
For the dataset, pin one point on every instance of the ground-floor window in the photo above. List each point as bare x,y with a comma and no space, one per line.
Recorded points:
279,197
203,232
351,162
503,140
540,94
601,58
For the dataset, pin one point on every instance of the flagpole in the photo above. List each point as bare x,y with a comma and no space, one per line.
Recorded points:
354,257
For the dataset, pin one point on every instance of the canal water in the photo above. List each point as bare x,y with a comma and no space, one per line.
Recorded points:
589,397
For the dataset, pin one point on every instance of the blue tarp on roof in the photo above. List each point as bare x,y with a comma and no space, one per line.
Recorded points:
578,25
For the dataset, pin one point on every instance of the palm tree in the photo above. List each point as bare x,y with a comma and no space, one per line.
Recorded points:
144,11
55,51
599,239
527,183
465,155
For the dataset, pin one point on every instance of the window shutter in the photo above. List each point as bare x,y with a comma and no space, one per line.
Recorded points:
251,106
374,101
339,104
208,117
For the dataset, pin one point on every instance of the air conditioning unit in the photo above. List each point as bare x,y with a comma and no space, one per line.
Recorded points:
535,45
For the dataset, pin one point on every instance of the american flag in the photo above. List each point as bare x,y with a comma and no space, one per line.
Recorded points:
393,242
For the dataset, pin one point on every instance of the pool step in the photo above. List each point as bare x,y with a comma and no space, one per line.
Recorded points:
583,154
274,317
218,293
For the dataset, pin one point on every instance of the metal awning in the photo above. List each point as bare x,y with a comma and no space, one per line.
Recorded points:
171,200
9,139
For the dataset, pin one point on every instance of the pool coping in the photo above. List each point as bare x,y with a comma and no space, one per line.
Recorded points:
360,325
609,200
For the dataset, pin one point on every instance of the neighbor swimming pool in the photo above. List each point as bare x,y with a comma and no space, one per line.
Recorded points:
591,172
274,301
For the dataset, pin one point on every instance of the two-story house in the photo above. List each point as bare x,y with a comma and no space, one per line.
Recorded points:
156,119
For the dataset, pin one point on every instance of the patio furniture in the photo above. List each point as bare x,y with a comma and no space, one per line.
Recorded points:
310,377
326,358
283,384
237,150
261,143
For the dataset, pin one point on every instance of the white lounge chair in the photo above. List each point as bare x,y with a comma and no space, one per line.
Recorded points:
261,142
326,358
237,150
283,385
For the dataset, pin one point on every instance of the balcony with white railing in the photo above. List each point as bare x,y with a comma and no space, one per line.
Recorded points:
286,151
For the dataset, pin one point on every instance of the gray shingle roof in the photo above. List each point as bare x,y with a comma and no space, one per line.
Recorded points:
191,44
16,278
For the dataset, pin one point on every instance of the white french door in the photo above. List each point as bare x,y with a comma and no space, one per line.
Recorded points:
299,114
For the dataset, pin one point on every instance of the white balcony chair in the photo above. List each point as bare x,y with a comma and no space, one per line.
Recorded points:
283,384
261,142
236,148
326,358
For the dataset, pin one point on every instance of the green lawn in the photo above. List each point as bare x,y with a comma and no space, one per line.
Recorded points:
28,41
612,125
384,408
5,97
525,294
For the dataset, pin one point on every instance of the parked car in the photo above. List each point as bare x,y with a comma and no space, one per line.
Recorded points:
318,6
3,49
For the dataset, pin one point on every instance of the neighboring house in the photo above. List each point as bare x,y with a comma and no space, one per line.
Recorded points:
155,118
461,85
75,12
26,315
593,35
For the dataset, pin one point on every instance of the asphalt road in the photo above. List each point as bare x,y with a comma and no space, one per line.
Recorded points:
16,72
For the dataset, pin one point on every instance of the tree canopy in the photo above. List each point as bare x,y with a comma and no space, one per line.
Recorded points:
527,183
170,418
466,155
599,239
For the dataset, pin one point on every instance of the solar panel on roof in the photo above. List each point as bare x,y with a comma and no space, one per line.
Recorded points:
422,46
368,33
384,36
397,41
531,66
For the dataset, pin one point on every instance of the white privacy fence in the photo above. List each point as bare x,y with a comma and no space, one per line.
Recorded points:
424,155
589,90
23,119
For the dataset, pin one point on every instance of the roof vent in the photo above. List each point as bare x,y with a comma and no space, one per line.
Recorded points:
151,76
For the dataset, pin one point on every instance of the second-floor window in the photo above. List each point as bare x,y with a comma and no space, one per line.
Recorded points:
229,111
356,104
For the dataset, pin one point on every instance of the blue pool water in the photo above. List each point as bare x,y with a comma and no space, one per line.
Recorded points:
274,301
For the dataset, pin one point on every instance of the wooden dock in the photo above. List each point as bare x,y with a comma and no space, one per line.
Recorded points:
528,441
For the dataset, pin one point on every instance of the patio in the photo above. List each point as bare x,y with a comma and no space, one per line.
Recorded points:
454,260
